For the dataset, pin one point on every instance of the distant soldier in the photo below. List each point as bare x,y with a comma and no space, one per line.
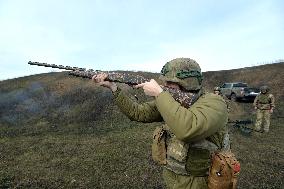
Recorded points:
264,104
217,90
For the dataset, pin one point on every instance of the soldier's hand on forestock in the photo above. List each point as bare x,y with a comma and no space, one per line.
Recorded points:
151,88
101,80
271,110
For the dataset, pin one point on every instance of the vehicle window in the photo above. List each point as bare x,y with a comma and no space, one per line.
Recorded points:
227,85
240,85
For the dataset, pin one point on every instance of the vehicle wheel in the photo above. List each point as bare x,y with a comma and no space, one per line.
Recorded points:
233,97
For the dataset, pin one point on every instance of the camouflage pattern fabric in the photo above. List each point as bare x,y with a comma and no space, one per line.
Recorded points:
264,103
183,71
260,116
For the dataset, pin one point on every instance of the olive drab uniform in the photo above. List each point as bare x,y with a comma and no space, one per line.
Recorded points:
196,135
191,134
263,103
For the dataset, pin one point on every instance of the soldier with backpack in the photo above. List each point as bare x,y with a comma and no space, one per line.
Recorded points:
190,139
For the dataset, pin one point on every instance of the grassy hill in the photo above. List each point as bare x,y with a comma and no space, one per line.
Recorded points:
59,131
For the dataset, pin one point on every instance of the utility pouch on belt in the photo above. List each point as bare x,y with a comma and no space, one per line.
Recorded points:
177,149
224,171
159,151
177,152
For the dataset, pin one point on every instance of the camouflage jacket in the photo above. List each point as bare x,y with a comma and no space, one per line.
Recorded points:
264,101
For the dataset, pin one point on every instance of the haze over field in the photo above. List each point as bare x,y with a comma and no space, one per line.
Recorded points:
138,35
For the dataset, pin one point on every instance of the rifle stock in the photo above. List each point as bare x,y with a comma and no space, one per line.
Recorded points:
184,98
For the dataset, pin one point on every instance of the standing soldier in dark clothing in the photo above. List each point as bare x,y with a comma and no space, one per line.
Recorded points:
190,134
264,104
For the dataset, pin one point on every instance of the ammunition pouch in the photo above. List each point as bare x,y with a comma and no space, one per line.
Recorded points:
223,171
159,150
188,158
181,157
177,152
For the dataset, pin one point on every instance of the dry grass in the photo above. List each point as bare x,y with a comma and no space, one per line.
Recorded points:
57,131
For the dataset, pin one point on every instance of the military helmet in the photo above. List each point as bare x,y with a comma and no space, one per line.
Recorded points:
183,71
217,89
264,89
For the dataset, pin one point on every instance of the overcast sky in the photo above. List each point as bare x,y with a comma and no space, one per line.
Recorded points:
138,35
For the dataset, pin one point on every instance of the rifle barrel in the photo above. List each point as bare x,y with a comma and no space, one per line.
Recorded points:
56,66
185,98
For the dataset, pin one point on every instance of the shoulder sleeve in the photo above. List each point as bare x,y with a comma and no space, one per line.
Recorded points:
145,112
272,100
205,117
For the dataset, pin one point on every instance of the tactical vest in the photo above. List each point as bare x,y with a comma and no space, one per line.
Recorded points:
263,101
193,158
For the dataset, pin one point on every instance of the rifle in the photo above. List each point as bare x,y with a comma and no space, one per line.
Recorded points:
241,124
184,98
